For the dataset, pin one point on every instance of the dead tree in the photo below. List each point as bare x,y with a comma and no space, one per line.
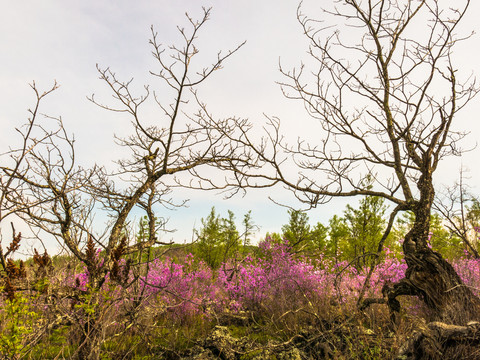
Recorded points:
18,158
51,192
381,82
48,190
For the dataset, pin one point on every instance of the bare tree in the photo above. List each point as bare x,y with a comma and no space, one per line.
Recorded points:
178,143
462,220
18,158
49,191
382,84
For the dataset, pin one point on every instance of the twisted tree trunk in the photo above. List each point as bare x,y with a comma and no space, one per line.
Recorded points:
429,275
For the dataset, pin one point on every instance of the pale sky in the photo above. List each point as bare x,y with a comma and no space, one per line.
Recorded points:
63,40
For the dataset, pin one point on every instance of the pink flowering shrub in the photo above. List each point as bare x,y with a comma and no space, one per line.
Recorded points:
182,289
468,269
275,275
275,279
389,270
279,275
81,280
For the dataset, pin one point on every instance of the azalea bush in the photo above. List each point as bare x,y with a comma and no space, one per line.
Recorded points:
275,272
468,268
180,299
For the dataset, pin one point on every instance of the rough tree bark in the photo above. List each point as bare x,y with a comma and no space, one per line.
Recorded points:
429,275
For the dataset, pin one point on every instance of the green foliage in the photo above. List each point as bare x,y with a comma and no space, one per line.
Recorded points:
366,225
357,234
297,231
17,319
230,236
402,225
210,239
275,238
443,240
53,345
219,239
338,236
143,232
353,236
89,302
301,236
318,237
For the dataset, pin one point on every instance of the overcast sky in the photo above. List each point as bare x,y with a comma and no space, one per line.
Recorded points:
64,40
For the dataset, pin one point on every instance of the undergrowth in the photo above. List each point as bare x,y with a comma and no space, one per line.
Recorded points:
169,309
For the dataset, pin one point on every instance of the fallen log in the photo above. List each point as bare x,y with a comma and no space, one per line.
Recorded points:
435,338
